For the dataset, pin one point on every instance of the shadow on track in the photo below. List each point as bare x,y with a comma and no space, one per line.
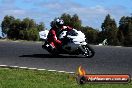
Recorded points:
48,56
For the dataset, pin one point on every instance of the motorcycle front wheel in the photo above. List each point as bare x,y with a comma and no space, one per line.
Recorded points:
88,51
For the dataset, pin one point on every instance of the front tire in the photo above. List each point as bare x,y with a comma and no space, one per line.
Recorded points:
88,51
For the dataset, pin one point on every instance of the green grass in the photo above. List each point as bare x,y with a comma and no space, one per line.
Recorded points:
18,78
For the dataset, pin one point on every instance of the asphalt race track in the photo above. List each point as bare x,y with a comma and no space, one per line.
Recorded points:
107,59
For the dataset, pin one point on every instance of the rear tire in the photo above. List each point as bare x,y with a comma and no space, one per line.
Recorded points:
89,51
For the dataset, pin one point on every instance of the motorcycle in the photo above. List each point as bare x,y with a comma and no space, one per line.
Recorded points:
74,44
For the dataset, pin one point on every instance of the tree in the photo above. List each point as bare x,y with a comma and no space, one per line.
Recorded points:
6,23
14,29
73,21
32,34
41,26
28,23
66,18
27,29
109,30
91,34
76,22
125,30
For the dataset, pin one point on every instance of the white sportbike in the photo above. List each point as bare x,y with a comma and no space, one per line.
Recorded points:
74,43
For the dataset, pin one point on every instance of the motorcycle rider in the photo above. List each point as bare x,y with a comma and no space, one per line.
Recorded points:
57,26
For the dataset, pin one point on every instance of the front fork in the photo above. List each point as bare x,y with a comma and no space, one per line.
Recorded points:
81,46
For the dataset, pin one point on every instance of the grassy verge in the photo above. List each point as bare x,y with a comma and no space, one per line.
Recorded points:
18,78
